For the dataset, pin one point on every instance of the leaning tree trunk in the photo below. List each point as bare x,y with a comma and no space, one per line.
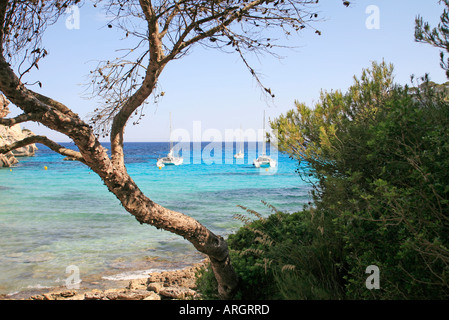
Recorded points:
56,116
112,170
172,28
148,212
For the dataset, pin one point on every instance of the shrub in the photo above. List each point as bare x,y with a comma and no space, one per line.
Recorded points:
378,160
281,252
380,156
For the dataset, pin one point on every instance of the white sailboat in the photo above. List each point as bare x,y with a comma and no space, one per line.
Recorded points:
170,159
264,161
240,154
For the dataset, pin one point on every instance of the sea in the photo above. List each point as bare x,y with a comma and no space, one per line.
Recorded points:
60,226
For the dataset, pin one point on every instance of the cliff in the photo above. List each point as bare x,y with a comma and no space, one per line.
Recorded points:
11,134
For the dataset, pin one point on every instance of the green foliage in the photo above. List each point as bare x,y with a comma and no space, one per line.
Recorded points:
438,36
402,202
380,156
284,256
206,283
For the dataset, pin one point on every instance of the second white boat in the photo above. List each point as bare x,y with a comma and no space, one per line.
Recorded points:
170,159
264,161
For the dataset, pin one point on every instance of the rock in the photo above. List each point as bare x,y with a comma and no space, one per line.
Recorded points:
116,294
181,278
66,294
153,296
4,110
48,296
121,294
94,295
15,133
177,284
7,160
155,286
176,292
137,284
10,135
136,295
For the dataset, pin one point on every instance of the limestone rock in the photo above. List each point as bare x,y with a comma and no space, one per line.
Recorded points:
63,295
94,295
4,110
179,293
7,160
13,134
152,296
176,284
10,135
155,286
137,284
182,278
121,294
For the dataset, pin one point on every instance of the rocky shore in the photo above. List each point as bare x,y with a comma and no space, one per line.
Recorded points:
12,134
166,285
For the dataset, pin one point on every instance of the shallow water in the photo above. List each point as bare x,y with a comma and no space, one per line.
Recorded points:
65,216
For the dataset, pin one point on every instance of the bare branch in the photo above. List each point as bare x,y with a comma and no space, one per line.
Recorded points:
234,24
22,24
24,117
45,141
124,84
53,103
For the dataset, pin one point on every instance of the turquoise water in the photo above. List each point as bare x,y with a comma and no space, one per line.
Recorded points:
65,216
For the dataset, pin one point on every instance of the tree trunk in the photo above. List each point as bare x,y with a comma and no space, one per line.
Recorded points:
112,171
116,178
149,212
146,211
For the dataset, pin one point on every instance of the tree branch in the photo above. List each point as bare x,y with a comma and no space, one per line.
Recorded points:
24,117
181,44
45,141
149,82
53,103
3,5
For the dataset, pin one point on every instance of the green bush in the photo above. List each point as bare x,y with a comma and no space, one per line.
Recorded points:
282,256
401,217
380,156
378,160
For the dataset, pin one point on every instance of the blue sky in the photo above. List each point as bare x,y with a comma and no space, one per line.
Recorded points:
216,88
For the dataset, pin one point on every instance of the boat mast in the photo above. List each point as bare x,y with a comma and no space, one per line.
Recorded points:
263,138
241,138
171,141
